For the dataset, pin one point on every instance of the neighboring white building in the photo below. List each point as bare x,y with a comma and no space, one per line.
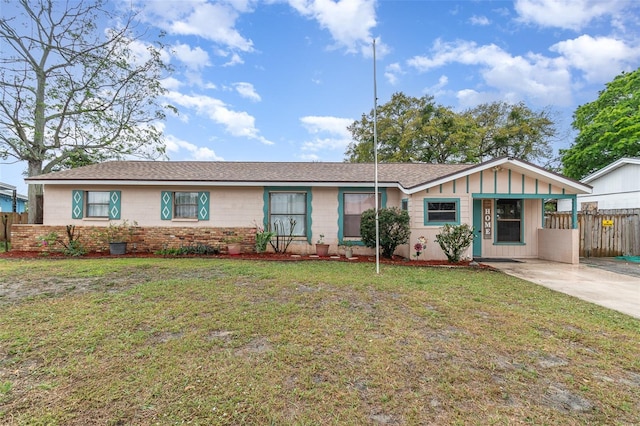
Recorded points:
616,186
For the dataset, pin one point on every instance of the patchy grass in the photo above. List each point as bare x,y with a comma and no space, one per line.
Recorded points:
167,341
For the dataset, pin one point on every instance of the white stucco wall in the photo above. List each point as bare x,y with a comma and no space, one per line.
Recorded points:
228,207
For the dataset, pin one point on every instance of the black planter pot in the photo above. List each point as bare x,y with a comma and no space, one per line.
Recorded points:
117,248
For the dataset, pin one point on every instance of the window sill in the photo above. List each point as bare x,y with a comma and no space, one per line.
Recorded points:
509,243
184,219
95,219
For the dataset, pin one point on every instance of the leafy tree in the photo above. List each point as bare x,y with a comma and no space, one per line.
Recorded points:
608,128
417,130
412,130
512,130
393,225
72,93
454,239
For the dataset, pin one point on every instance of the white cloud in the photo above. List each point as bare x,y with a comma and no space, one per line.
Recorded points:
600,58
246,90
479,20
539,79
330,133
171,83
349,21
198,153
392,71
320,124
140,51
436,89
236,123
567,14
309,157
211,21
234,60
469,98
194,59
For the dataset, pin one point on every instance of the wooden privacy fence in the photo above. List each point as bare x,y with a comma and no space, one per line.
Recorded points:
8,219
603,233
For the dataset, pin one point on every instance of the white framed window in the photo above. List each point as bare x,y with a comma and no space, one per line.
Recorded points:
440,211
185,205
285,207
190,205
97,204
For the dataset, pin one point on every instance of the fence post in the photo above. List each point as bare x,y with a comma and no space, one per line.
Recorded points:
5,220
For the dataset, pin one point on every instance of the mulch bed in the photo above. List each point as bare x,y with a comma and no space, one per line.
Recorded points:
396,260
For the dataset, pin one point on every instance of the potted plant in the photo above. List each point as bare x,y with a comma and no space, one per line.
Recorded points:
117,235
322,249
234,246
348,249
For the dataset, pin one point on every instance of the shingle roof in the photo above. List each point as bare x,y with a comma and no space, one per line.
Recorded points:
404,174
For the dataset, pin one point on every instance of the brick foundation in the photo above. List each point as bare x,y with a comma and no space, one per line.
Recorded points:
144,239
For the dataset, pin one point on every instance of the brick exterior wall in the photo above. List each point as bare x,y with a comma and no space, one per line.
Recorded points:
144,239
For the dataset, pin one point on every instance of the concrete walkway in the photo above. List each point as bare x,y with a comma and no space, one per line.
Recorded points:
612,290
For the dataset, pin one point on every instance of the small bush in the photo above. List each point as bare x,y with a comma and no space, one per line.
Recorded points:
194,249
394,229
454,239
263,237
71,246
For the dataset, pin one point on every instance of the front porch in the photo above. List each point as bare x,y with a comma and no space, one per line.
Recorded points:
512,226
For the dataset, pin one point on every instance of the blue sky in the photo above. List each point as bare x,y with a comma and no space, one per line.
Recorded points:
280,80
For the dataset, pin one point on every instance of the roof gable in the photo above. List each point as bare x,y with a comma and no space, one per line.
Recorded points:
611,167
523,167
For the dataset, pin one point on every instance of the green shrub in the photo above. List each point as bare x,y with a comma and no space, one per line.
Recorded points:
192,249
454,239
263,237
71,246
394,229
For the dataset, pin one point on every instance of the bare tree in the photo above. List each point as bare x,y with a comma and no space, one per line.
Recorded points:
77,86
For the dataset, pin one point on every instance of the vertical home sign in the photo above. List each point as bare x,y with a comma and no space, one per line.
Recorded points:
486,219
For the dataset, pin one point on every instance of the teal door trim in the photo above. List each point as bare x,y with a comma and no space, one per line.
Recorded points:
477,228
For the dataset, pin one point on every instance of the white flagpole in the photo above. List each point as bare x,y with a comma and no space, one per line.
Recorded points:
375,156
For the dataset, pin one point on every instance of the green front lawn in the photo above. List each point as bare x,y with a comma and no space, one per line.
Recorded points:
204,341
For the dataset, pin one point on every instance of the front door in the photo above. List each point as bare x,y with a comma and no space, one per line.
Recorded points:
477,228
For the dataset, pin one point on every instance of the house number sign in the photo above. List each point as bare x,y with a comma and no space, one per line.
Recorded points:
486,219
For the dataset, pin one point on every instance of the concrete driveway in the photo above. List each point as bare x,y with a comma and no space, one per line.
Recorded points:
613,290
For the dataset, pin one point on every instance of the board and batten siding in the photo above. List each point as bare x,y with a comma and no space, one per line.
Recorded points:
490,185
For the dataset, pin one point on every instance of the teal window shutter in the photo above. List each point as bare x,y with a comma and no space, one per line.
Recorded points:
114,205
77,204
203,205
166,205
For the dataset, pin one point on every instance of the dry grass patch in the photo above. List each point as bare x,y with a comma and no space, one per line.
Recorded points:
165,341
